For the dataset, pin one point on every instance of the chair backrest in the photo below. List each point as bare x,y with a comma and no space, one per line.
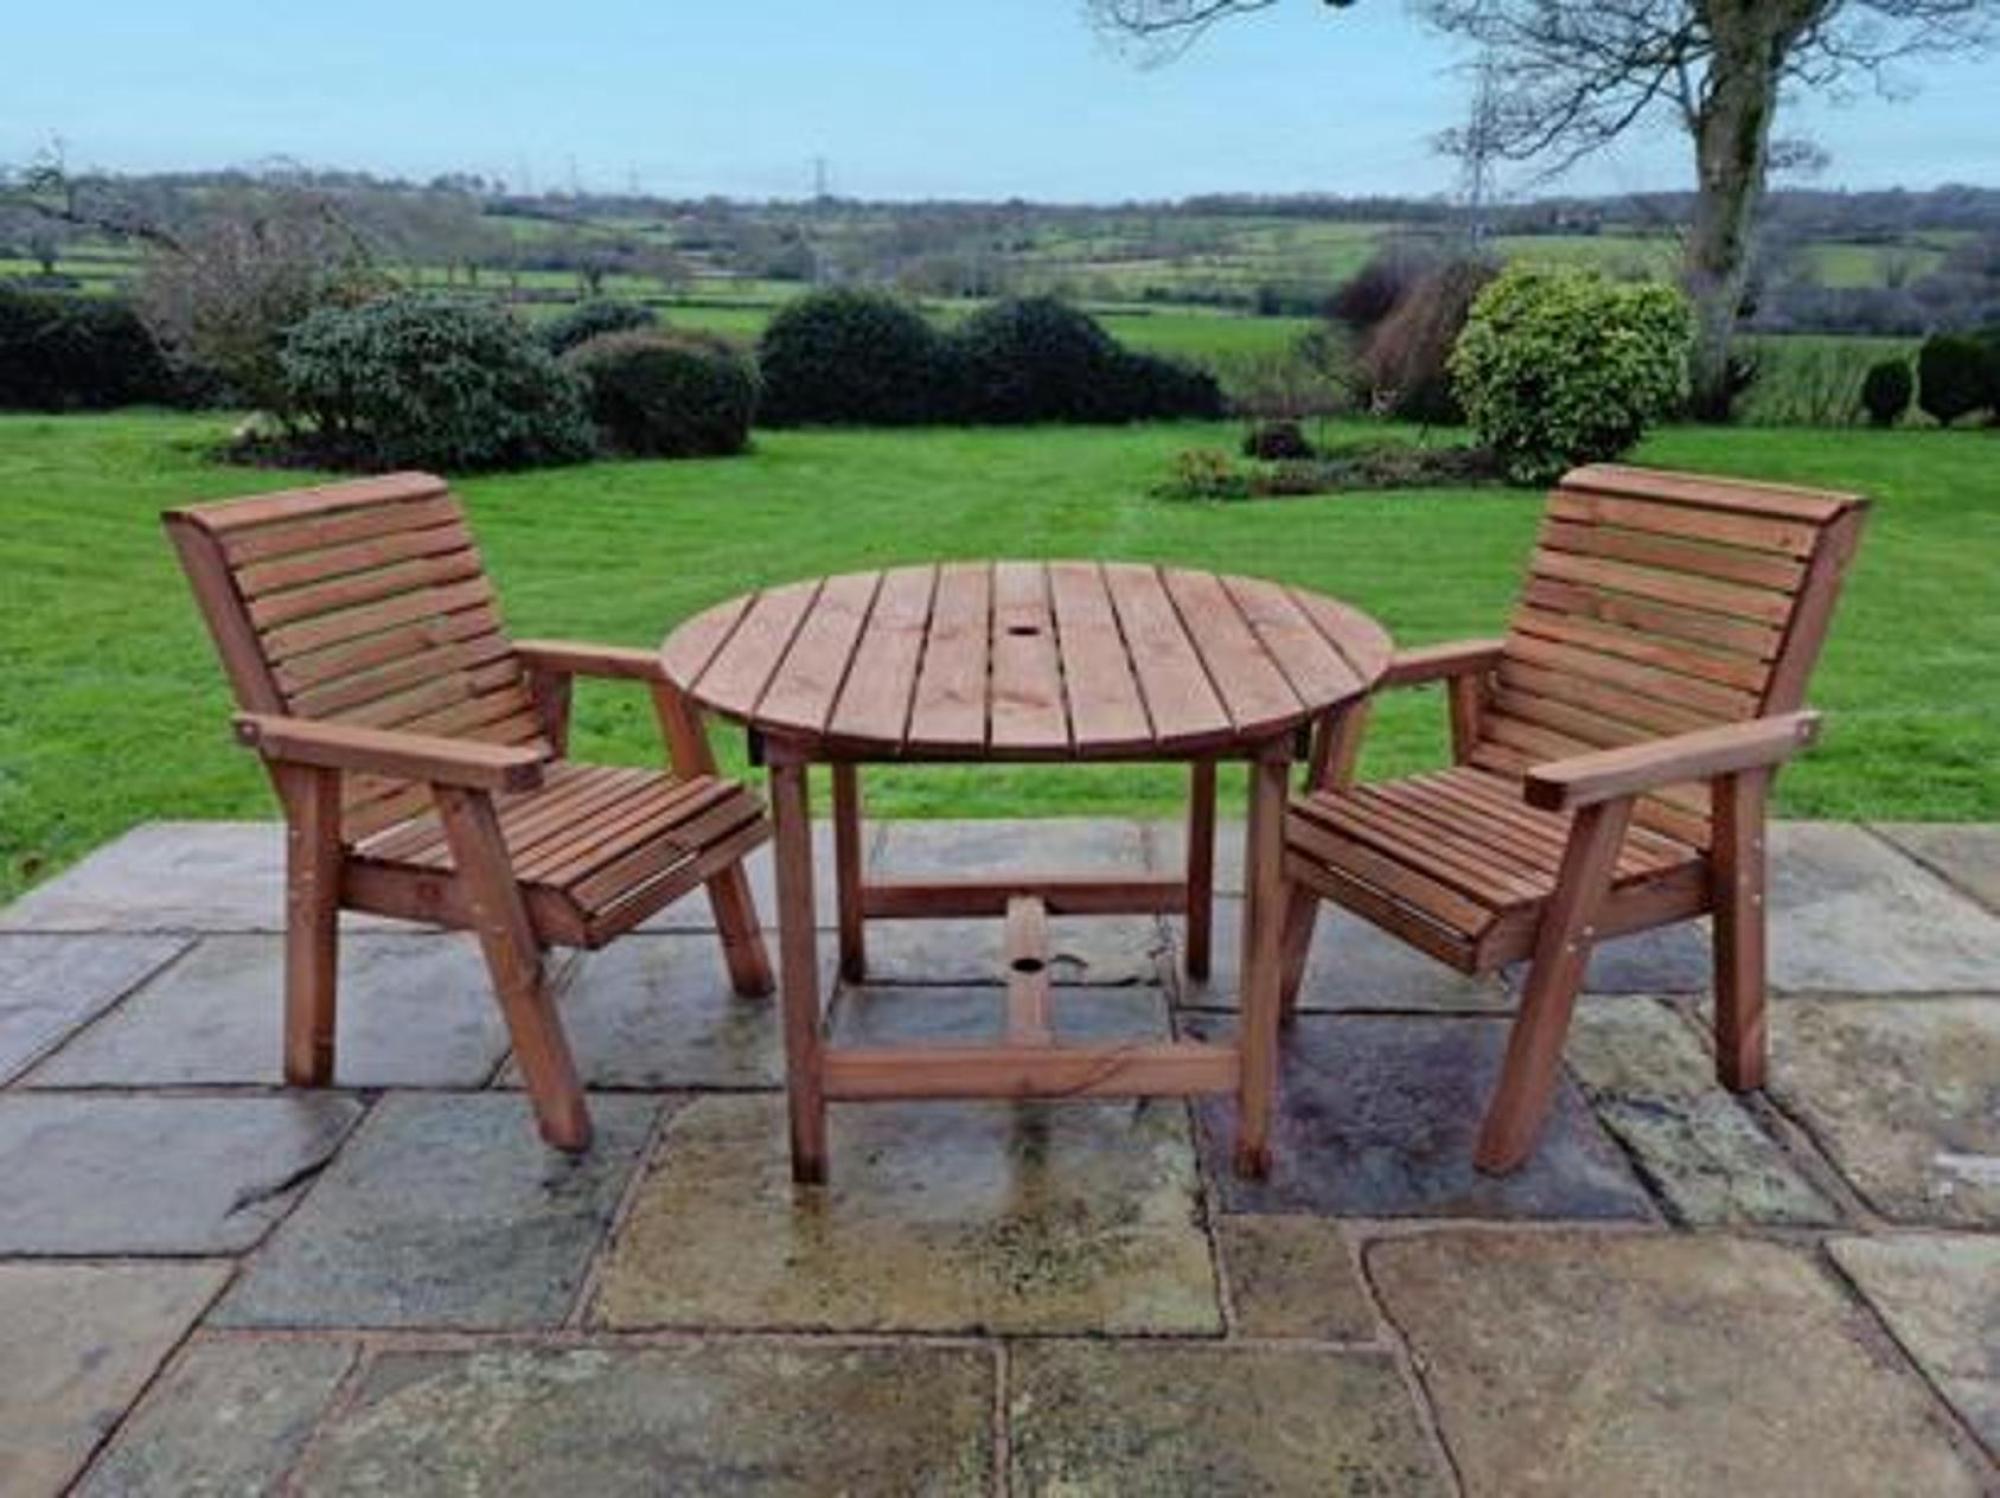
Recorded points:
1662,602
364,603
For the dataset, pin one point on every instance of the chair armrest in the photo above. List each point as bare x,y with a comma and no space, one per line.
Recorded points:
1410,668
1585,779
569,658
395,755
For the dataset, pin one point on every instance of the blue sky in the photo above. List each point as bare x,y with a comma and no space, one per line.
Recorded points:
947,99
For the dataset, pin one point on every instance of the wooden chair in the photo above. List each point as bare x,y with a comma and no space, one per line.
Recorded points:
1612,758
419,757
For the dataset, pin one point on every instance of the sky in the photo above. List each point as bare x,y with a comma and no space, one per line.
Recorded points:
951,98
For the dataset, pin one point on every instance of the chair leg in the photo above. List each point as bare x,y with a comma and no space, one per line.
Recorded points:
514,958
735,911
847,872
312,922
1533,1062
1200,867
1738,855
1301,917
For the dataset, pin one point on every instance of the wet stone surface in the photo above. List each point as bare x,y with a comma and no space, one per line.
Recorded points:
1062,845
1082,949
51,985
1293,1277
1966,854
1653,1084
653,1011
1940,1294
1352,965
93,1174
229,1417
414,1011
1095,1418
1377,1117
1904,1094
871,1014
1850,914
445,1211
1665,960
77,1344
1654,1363
961,1216
701,1418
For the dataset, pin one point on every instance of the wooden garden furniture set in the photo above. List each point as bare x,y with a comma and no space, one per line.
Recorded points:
1612,756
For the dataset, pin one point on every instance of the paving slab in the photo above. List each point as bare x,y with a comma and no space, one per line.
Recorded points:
956,1216
882,1014
1595,1362
1940,1294
1166,850
1293,1277
1850,914
1672,959
1377,1117
1904,1094
1105,950
1351,966
1967,854
77,1344
1653,1084
655,1010
445,1211
52,985
172,876
1002,845
229,1417
1096,1418
96,1174
700,1418
415,1010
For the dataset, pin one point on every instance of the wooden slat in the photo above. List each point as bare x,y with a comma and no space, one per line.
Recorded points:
1650,681
1669,655
735,678
1753,532
1759,641
289,640
1254,691
1107,711
293,538
1318,673
1028,714
1142,1069
1362,643
415,578
233,515
1727,599
693,645
948,714
1442,904
343,693
1784,501
875,702
1180,699
807,682
296,570
1727,564
302,672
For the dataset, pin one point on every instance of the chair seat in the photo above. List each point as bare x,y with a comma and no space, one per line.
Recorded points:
596,848
1457,863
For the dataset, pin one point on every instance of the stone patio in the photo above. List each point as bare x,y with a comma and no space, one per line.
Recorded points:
210,1284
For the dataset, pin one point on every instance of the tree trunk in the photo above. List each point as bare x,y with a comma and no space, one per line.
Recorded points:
1732,145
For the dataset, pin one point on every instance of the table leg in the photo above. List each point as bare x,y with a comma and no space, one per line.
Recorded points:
799,972
1200,865
1264,911
847,871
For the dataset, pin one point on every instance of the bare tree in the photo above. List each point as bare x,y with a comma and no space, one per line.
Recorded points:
1574,75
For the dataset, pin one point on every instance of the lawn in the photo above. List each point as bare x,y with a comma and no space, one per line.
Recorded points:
117,711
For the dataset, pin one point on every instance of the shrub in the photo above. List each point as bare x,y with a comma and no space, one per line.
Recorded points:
1886,391
667,395
587,320
1405,362
1273,440
1038,359
415,381
65,353
1953,376
848,356
1562,366
1372,292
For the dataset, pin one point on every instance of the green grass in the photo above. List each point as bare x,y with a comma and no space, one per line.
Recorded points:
117,711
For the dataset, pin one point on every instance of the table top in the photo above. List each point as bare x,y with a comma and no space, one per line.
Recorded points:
1026,660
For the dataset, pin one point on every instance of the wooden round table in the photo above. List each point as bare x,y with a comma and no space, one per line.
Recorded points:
1028,661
